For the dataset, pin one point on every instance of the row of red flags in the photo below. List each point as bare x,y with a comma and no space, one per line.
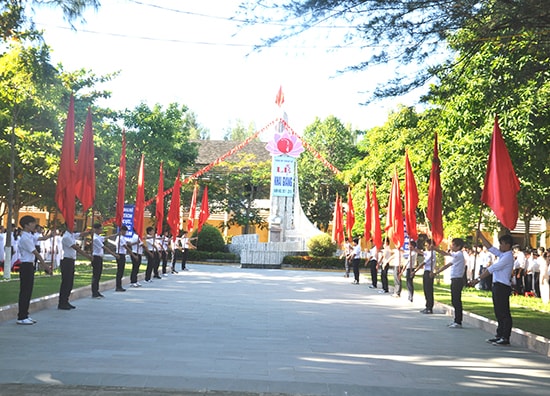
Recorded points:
499,193
77,180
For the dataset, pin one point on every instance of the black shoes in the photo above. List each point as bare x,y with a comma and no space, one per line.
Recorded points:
426,311
501,342
66,307
120,289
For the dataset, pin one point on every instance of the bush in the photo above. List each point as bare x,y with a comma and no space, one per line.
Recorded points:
316,262
197,255
210,239
321,246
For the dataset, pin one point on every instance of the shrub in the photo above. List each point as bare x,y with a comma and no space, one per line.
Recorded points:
321,246
210,239
315,262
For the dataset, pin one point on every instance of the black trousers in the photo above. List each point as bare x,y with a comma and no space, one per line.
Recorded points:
184,255
384,277
410,284
153,261
428,286
374,272
457,284
164,259
356,269
97,270
67,280
26,283
136,262
120,264
501,304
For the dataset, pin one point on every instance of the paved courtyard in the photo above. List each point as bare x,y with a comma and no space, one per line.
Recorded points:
223,330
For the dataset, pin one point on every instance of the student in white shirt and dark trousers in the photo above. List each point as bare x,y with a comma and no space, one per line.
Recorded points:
98,250
502,286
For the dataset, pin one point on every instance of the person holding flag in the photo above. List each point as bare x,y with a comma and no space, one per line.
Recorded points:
98,250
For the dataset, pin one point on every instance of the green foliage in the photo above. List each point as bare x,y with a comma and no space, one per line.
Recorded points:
318,184
198,255
321,246
210,239
239,132
236,185
314,262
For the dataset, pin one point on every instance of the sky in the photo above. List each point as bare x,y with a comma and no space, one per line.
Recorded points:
192,52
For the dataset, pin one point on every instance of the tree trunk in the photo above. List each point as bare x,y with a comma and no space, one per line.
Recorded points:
526,239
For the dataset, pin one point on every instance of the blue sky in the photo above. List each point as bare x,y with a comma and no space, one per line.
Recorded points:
191,52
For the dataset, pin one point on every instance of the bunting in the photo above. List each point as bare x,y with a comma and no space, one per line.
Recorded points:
501,182
65,196
376,231
394,215
173,217
85,167
139,210
435,197
205,210
350,218
121,183
411,199
159,212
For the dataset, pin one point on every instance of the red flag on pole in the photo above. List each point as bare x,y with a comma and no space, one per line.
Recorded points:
411,199
337,222
139,210
205,211
65,190
85,167
501,183
192,210
121,183
159,212
368,221
173,217
280,98
375,221
394,216
435,197
350,218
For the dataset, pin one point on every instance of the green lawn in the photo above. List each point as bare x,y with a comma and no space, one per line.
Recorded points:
529,314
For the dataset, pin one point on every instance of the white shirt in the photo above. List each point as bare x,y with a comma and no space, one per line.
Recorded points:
2,245
429,257
98,245
457,267
68,240
357,252
519,262
120,244
26,247
502,268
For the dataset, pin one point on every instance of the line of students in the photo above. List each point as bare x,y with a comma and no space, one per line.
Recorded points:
155,248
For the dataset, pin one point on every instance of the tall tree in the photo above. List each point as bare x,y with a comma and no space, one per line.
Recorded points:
405,32
318,184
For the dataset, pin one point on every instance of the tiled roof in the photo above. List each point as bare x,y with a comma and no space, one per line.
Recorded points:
210,150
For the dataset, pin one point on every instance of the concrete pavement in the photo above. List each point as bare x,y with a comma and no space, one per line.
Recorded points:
223,330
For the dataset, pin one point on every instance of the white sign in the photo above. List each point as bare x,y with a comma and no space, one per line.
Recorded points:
282,176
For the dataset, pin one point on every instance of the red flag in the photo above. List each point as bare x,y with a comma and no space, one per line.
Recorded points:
65,190
205,211
411,199
394,215
139,211
280,98
435,198
85,167
121,183
368,220
337,222
192,211
173,217
350,219
159,212
375,221
501,183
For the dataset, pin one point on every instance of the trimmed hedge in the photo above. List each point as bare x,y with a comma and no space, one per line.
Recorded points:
198,255
316,262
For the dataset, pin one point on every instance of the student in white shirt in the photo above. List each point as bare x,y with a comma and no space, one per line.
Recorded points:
98,251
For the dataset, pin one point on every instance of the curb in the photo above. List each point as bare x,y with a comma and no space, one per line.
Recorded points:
519,337
9,312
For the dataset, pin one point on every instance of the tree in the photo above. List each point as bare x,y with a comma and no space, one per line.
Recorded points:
236,185
196,130
16,22
503,79
407,32
318,184
239,132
